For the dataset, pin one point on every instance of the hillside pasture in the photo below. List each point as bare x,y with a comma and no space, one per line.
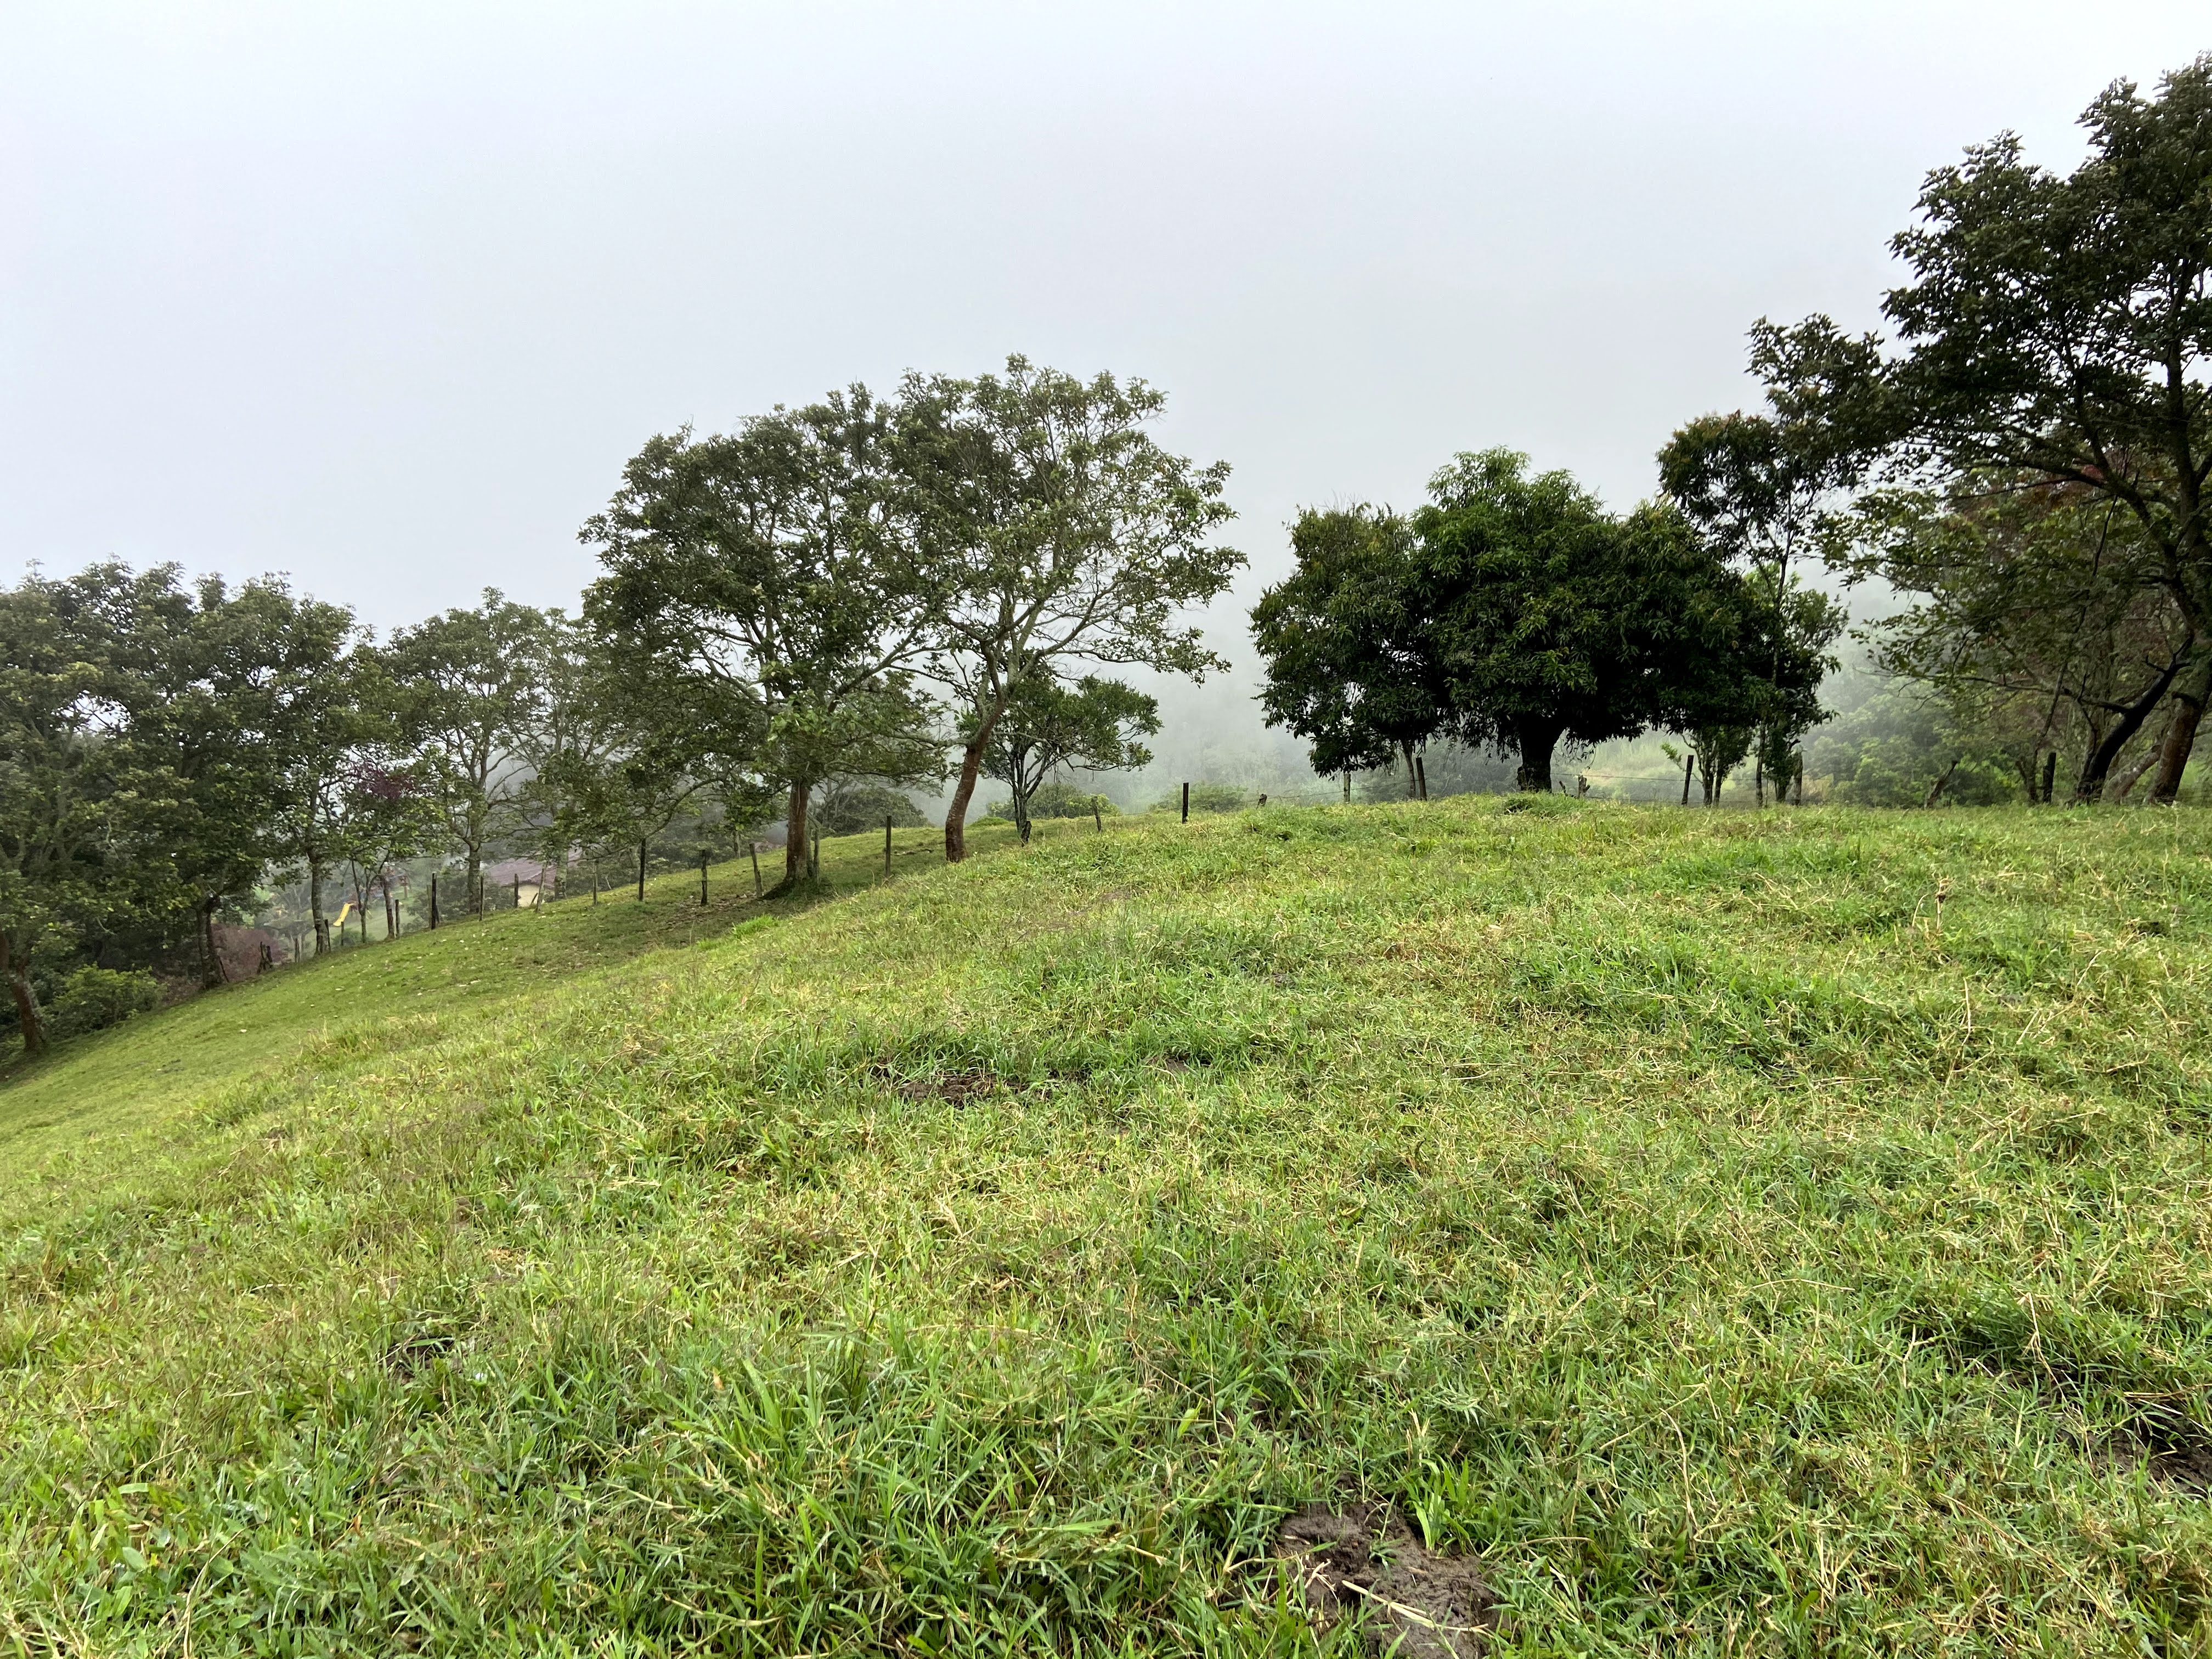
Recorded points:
1774,1233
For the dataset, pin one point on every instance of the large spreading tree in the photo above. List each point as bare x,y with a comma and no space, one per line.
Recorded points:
1349,643
209,677
1553,620
1055,530
769,578
2055,329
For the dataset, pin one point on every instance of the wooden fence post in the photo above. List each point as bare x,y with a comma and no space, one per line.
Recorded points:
641,873
887,843
1097,817
703,879
1186,802
753,847
434,902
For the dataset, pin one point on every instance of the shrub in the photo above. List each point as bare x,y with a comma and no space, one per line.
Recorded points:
849,809
1204,797
92,999
1056,798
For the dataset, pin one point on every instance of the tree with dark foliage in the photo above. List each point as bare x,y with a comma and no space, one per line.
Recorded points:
1552,620
2054,328
1348,643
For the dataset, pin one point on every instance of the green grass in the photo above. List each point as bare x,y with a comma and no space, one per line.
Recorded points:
148,1071
1777,1233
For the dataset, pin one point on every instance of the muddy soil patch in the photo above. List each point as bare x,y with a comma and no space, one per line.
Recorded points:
1418,1603
955,1088
2170,1447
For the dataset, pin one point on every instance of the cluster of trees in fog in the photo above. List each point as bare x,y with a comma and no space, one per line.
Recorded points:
2023,463
862,591
2031,452
1514,611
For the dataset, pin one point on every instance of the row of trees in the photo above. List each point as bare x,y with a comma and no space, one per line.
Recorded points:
168,746
861,590
1513,612
861,584
2024,460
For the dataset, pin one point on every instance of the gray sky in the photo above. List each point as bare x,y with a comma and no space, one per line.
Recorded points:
382,295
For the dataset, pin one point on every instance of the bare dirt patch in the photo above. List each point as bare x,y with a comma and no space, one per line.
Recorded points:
2170,1447
954,1088
1418,1603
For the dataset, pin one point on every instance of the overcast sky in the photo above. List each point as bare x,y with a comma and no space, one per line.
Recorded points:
382,295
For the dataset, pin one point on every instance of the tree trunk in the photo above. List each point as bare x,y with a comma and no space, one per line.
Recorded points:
2181,736
971,768
2049,775
1689,765
1935,789
475,878
1759,781
28,1020
211,973
1535,739
956,816
315,907
2117,785
2091,784
1413,787
794,843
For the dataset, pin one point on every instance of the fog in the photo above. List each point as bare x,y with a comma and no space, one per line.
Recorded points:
382,296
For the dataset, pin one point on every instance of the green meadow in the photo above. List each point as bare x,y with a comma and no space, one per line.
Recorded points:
1782,1232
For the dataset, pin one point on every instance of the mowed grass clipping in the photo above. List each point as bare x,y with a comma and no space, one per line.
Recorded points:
1779,1233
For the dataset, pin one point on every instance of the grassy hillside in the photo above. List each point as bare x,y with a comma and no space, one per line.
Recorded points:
149,1070
1776,1233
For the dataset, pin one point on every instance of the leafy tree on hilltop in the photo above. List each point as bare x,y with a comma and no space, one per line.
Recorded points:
768,579
1096,725
469,692
326,708
1553,620
1057,528
1755,487
210,680
2057,328
1349,643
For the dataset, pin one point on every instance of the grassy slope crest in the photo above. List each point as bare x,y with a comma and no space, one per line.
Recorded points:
1778,1233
